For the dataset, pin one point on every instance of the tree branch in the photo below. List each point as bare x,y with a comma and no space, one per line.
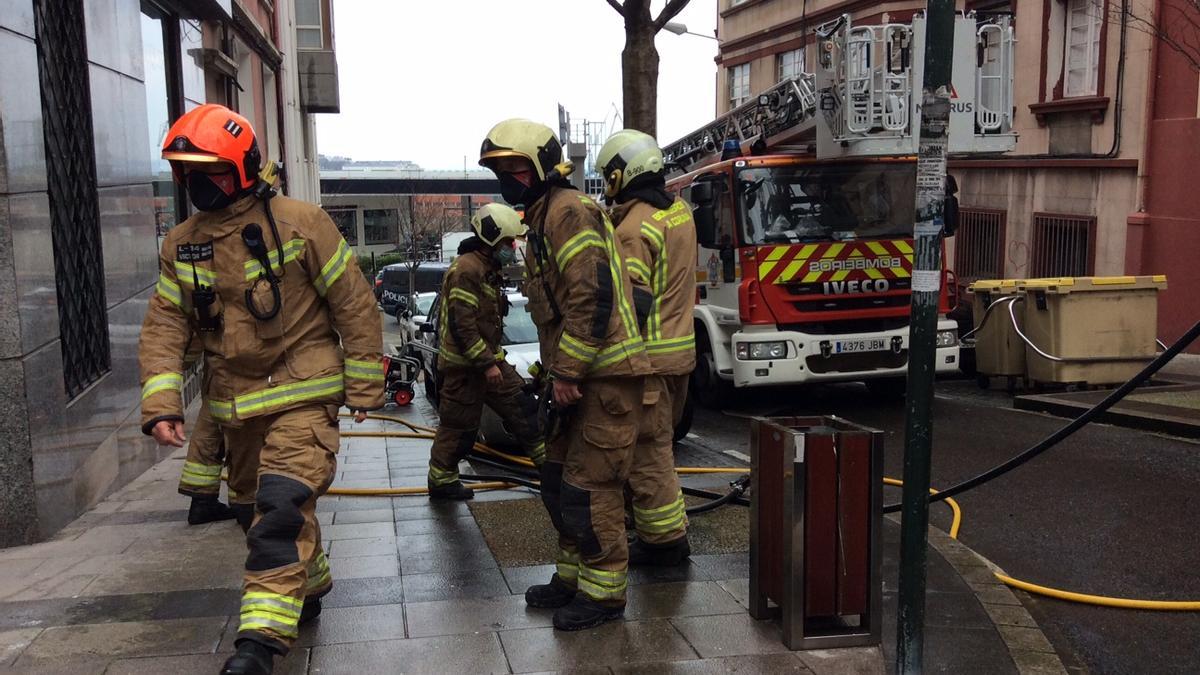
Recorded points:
617,6
673,8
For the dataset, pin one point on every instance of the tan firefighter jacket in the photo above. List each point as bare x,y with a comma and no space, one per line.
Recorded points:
579,293
323,346
660,255
472,306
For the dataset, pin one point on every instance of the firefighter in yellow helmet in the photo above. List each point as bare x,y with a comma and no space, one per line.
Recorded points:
658,237
290,332
471,366
580,298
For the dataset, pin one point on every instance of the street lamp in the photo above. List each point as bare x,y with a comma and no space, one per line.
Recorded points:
680,29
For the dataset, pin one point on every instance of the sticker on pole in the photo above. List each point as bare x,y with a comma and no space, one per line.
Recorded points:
926,281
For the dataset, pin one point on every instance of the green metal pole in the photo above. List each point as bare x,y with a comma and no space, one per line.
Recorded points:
922,334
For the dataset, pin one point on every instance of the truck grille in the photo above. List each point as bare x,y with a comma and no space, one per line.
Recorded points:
843,304
866,361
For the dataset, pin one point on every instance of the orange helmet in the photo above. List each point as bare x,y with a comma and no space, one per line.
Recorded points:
214,133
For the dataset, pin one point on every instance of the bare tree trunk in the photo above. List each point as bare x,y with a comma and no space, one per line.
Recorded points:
639,65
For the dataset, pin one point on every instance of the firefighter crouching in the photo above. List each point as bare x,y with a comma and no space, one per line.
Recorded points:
580,300
471,366
658,238
290,333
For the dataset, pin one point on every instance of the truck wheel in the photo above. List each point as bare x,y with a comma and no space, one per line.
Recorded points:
707,386
685,422
888,389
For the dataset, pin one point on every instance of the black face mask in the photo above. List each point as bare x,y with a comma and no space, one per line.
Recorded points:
205,195
512,190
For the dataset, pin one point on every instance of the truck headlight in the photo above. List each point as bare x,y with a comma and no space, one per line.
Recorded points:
761,351
947,338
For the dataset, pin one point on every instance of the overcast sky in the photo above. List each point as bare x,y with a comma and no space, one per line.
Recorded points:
424,81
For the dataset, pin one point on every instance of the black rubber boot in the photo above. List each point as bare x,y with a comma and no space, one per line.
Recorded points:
670,554
244,514
310,611
456,491
252,658
208,510
583,612
549,596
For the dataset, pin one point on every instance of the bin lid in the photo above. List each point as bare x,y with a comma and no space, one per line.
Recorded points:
1002,286
1086,284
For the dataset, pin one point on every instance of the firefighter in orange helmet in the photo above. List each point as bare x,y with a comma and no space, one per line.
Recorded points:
290,333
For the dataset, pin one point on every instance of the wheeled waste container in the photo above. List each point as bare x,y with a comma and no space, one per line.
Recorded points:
816,519
1090,330
999,350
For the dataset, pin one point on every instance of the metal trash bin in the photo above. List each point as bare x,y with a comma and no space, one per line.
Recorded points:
816,519
999,350
1090,330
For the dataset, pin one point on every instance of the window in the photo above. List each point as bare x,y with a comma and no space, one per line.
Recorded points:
979,244
309,34
1062,245
161,61
1082,56
790,64
380,226
347,223
739,85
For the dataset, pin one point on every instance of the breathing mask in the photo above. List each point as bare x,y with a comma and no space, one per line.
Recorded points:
212,192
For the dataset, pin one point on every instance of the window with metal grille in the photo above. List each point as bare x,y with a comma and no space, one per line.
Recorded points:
979,244
74,209
1062,245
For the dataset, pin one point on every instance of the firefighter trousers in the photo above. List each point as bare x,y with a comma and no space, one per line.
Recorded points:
462,393
658,509
285,564
587,465
201,475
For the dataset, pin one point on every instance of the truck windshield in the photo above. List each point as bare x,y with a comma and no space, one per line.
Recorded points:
786,204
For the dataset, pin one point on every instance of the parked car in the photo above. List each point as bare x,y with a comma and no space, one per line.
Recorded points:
521,349
394,291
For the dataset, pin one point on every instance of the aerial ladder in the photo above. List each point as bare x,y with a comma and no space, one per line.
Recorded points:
864,98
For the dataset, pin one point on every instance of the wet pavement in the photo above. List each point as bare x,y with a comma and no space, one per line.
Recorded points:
1111,511
130,588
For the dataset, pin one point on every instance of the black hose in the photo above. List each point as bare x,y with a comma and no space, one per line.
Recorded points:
736,489
1075,424
489,478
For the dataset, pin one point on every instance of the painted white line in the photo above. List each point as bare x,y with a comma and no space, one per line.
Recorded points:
738,455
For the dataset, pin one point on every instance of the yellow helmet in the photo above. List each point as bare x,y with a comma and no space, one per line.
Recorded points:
626,155
522,138
494,222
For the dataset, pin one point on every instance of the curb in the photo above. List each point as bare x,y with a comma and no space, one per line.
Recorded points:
1031,652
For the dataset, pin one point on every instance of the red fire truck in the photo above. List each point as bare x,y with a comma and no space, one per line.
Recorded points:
804,204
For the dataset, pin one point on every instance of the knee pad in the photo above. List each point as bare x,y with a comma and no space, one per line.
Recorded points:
577,519
272,541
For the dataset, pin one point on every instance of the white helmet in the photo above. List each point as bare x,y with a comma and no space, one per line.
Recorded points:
626,155
495,221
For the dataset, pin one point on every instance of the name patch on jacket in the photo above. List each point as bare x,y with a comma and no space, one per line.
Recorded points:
191,253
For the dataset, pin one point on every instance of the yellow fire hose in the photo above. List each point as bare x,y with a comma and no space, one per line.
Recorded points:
423,432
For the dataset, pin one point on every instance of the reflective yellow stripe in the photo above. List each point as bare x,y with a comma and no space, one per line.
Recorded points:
333,269
291,250
466,296
476,349
567,565
276,397
187,273
451,357
601,584
364,370
440,476
490,292
318,572
671,345
169,290
638,269
538,452
619,351
163,382
202,469
222,411
575,245
576,348
663,519
271,611
669,211
653,234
